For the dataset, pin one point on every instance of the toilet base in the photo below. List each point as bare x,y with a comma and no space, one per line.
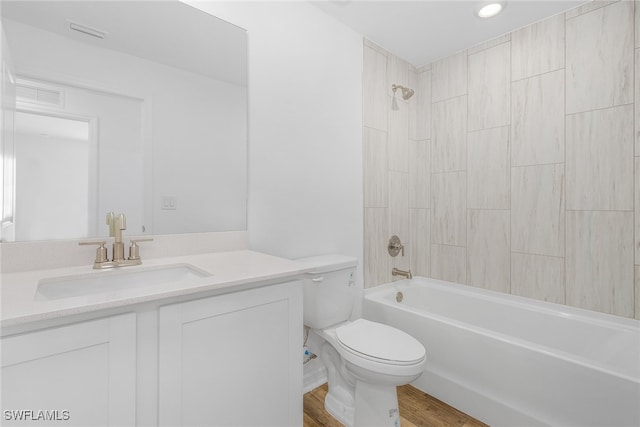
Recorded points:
337,408
376,406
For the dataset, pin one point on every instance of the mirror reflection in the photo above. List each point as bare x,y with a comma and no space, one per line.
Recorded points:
133,107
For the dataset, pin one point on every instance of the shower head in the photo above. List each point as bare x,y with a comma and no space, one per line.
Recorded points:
406,92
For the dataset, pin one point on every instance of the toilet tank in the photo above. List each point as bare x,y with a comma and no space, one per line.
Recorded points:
329,293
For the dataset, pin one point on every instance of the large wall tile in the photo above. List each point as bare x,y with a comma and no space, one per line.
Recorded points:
588,7
548,210
449,208
488,249
538,48
419,174
449,78
375,168
420,250
399,219
599,49
397,73
488,170
599,260
637,210
637,22
489,44
538,210
449,263
637,100
537,120
372,45
489,88
449,135
398,145
637,312
420,106
600,159
374,89
376,238
399,205
537,276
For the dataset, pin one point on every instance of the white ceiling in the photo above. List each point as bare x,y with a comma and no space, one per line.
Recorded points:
419,31
422,31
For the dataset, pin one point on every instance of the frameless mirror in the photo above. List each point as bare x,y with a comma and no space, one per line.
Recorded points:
137,107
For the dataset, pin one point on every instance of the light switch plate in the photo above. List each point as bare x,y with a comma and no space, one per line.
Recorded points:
169,203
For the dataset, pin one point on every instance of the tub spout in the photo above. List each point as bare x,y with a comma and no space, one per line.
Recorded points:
397,272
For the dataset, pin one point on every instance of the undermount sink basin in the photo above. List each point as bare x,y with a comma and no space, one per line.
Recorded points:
114,280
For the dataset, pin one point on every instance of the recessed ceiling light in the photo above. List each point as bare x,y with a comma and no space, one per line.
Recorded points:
489,9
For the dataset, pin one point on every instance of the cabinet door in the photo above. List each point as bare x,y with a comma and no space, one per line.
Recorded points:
233,360
77,375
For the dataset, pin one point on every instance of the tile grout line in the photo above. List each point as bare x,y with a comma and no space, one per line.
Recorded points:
466,170
511,195
634,288
564,172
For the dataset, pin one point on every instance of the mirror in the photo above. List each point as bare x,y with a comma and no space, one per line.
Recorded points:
137,107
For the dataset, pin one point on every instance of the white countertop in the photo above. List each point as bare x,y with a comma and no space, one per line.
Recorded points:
229,271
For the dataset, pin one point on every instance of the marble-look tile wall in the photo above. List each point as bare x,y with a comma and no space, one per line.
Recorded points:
516,165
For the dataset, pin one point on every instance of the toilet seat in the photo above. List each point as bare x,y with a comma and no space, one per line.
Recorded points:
380,343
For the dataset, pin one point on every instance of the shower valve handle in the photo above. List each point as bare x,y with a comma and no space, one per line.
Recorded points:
395,246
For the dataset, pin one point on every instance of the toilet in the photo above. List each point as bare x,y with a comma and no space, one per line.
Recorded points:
365,360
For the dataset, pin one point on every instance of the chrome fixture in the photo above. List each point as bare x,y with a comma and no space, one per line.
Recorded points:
397,272
102,257
116,224
406,92
395,246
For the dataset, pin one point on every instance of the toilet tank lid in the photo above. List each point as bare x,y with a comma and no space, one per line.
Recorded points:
329,262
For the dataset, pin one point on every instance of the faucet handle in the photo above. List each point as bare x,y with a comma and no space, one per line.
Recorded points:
101,252
111,222
134,250
395,246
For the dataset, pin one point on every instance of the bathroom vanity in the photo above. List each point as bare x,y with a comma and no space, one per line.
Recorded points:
218,348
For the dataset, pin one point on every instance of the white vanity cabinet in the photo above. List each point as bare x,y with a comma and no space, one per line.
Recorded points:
216,357
233,359
83,374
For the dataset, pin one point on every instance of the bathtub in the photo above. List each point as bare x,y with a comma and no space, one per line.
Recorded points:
513,361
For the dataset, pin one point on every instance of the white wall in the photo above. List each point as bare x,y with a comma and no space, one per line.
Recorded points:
305,136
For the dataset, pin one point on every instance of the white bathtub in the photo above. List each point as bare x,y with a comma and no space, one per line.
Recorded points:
512,361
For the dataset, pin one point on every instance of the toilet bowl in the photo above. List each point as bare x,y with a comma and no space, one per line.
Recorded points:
365,360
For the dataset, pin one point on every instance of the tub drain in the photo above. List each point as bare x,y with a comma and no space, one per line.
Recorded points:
399,297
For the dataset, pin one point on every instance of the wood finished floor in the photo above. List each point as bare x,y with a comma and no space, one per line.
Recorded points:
417,409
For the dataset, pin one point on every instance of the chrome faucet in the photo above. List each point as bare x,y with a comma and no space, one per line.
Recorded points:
116,223
403,273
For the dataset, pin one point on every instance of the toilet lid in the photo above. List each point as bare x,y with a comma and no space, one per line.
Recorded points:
380,342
